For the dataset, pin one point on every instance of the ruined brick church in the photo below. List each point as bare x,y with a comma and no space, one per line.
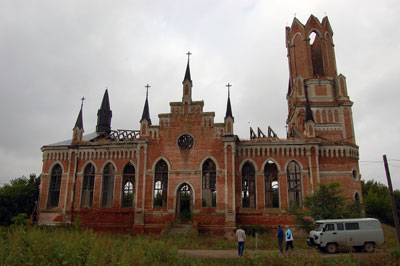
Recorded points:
192,169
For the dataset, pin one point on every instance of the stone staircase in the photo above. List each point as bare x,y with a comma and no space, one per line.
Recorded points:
180,228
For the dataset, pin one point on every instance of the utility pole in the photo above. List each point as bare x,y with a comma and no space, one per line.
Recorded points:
394,208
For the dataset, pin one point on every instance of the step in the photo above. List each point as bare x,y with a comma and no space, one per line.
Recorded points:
180,228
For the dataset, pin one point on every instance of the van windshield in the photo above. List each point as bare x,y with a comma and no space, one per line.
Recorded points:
318,226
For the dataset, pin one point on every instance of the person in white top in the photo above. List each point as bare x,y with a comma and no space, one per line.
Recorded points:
289,238
241,238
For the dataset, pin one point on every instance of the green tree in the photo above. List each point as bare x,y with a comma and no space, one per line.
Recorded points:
377,201
327,202
18,197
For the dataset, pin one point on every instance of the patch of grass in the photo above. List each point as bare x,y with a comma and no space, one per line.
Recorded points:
390,237
60,246
66,246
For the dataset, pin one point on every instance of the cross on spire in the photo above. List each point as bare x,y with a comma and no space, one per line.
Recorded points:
83,98
189,54
229,89
147,90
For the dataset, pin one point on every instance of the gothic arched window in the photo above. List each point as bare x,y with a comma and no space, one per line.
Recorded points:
316,54
161,184
88,186
294,184
209,186
271,185
128,185
248,186
357,197
55,185
108,186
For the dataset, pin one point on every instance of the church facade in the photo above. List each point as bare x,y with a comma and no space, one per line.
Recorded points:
190,168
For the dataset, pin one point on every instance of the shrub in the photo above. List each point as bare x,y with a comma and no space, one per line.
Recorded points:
252,229
395,253
20,220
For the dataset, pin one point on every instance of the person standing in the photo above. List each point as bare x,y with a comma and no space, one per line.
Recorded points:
241,238
280,238
289,238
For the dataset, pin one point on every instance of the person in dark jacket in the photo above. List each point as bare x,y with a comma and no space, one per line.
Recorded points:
280,238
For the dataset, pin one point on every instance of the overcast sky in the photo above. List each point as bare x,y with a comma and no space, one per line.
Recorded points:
54,52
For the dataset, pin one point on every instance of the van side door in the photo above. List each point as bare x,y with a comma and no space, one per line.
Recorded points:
341,235
329,233
354,235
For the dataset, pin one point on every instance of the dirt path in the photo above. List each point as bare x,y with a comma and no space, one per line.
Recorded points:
232,253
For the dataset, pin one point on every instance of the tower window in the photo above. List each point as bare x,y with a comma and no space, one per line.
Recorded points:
354,174
356,197
316,54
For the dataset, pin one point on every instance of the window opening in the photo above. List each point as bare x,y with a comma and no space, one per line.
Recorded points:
316,54
354,174
356,197
209,188
248,186
329,227
55,185
161,184
128,186
294,184
108,186
271,185
352,226
340,226
88,186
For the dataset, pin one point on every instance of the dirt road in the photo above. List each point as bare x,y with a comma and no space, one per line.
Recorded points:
232,253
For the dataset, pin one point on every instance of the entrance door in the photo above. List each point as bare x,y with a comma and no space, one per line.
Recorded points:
184,203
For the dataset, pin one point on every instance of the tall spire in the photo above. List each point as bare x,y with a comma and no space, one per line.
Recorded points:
146,112
79,119
104,115
187,73
228,106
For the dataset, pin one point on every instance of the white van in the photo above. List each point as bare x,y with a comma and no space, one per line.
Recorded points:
360,233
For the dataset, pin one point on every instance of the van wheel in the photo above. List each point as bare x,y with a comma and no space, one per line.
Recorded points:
331,248
369,247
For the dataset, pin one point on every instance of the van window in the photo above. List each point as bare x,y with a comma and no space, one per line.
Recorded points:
352,226
339,226
329,227
318,227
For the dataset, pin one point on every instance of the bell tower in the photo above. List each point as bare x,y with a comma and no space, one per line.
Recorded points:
315,88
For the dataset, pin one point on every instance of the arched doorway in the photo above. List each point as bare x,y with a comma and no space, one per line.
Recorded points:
184,199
